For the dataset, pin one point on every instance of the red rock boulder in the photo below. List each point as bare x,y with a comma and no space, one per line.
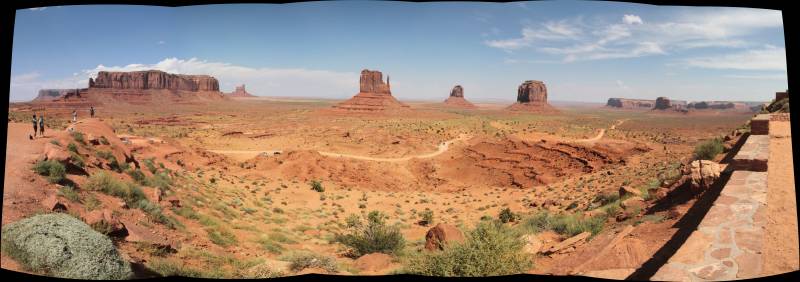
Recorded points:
442,234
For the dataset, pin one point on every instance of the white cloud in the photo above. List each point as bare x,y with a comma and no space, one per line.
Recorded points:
622,86
576,41
297,82
777,76
631,19
38,9
161,42
768,58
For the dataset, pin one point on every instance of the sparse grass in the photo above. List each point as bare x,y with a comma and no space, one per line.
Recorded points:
506,215
72,147
221,236
92,203
303,260
138,176
70,193
78,136
564,224
55,142
270,245
426,217
53,170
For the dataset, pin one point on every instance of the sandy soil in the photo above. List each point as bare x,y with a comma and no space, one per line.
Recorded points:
781,238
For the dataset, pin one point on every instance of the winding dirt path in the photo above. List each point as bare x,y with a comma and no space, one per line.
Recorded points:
443,147
601,133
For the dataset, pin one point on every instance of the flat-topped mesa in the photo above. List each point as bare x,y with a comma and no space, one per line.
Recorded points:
457,100
240,92
630,103
374,95
532,96
154,79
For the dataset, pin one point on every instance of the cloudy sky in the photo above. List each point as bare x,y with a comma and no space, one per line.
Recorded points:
583,51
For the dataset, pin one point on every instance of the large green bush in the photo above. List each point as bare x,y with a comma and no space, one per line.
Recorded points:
62,246
54,170
707,150
491,249
373,237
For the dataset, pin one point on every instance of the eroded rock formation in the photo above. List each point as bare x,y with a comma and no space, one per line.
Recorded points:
50,94
630,103
240,92
374,95
457,100
532,96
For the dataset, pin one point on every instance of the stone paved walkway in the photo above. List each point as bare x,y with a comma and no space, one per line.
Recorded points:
753,155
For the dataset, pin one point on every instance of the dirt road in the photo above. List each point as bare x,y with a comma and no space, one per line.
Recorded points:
601,133
443,147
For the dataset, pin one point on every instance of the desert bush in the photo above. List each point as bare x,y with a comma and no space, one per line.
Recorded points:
92,203
709,149
138,176
69,193
270,245
55,142
104,182
221,236
160,180
169,268
506,215
72,147
78,136
54,170
148,163
371,237
303,260
60,245
156,214
426,217
564,224
261,271
77,160
490,249
316,185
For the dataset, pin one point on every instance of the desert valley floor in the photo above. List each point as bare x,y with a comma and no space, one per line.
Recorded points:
239,176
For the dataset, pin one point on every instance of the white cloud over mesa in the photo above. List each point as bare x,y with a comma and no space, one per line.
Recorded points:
632,36
296,82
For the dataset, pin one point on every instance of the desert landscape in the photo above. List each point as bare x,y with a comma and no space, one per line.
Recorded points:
148,173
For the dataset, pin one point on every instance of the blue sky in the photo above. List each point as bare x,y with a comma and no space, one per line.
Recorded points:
583,51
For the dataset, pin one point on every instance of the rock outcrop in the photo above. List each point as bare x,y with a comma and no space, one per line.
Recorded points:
457,100
532,96
374,95
154,79
442,234
704,173
240,92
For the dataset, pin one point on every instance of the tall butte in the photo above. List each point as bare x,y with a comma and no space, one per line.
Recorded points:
374,95
456,99
532,97
151,87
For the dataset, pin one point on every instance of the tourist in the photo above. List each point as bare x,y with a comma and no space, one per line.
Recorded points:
91,111
41,125
75,115
35,129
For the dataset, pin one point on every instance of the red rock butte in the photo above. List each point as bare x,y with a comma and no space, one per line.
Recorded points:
532,97
240,92
456,99
374,95
151,87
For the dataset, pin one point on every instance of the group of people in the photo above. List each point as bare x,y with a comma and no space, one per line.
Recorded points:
38,124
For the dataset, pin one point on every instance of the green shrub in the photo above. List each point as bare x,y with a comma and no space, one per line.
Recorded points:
55,142
54,170
372,237
160,180
103,140
270,246
78,136
564,224
92,203
506,215
104,182
169,268
148,163
69,193
77,160
316,185
221,236
303,260
426,217
60,245
72,147
138,176
491,249
709,149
